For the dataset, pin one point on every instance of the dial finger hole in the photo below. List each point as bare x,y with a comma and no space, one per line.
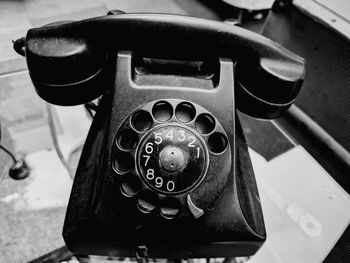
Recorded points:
205,123
185,112
217,142
131,186
123,162
141,121
127,139
162,111
170,208
147,201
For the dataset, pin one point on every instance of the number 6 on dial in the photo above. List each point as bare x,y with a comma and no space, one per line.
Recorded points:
149,148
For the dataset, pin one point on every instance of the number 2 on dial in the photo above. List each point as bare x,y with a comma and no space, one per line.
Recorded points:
193,140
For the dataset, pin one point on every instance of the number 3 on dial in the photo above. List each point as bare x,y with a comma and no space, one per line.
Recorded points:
182,136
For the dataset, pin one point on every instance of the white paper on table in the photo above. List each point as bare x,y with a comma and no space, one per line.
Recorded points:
305,210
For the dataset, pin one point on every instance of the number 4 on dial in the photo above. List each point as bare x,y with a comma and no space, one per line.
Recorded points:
170,135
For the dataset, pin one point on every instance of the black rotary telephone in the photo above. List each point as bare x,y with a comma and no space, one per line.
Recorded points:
165,169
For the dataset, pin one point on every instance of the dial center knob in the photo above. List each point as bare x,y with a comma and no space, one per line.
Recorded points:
172,158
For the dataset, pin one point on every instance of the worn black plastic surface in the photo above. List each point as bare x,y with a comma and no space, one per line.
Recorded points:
100,220
136,61
67,60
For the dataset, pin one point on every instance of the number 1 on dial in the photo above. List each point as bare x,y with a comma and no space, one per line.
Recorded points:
198,152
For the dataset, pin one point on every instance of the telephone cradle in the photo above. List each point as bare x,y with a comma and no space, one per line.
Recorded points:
165,166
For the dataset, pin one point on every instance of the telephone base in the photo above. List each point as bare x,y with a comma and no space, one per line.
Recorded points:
90,232
165,207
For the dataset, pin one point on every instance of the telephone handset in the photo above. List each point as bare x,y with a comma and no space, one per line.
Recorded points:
165,165
67,60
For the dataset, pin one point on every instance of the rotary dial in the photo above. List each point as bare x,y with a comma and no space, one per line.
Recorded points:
171,159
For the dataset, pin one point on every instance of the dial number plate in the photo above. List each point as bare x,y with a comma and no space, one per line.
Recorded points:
171,159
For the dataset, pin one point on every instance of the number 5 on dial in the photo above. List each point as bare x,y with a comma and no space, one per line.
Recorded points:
158,138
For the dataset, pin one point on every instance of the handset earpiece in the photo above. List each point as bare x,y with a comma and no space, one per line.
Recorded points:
269,87
65,69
